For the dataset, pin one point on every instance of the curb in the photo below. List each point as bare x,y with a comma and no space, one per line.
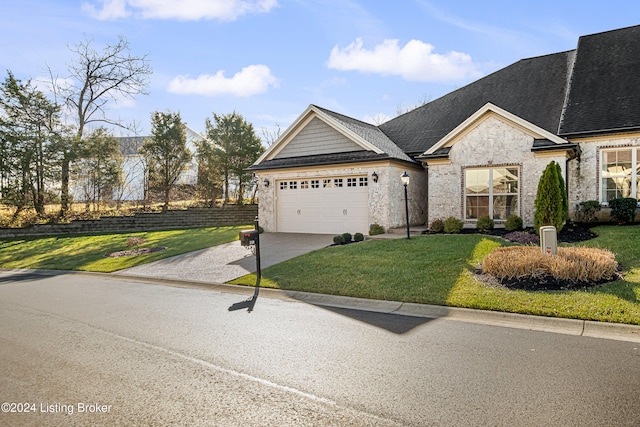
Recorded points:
576,327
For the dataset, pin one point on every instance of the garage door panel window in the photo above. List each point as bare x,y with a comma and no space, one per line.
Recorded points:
492,192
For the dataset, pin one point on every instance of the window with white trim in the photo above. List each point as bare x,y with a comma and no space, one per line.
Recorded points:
352,182
491,191
304,185
364,181
337,182
619,173
315,183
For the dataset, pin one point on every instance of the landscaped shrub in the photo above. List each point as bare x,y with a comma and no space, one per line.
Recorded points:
376,229
132,242
586,211
485,223
571,264
453,225
347,237
523,238
513,223
358,237
338,240
437,225
551,199
623,210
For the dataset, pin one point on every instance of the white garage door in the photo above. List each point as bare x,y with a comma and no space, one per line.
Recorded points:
328,205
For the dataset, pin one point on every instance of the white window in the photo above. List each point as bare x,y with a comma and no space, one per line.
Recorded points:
364,181
293,185
315,183
620,173
283,185
326,183
492,192
337,182
304,185
352,182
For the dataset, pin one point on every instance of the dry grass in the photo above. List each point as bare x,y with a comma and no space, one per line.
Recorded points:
573,264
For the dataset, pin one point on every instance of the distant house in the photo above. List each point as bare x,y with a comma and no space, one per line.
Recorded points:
477,151
135,172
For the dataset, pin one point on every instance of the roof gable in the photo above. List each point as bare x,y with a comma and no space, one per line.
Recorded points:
490,110
532,89
322,132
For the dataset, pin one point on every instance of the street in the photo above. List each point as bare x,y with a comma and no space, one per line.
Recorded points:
89,350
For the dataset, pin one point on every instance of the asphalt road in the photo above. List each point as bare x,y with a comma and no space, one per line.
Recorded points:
85,350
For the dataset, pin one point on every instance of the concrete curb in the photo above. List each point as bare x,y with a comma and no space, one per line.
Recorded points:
576,327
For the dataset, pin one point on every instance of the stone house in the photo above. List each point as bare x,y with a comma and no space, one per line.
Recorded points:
477,151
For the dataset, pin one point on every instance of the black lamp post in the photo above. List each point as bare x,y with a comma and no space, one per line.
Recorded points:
405,182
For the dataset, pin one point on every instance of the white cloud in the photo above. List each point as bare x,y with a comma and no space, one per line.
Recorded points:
184,10
251,80
414,61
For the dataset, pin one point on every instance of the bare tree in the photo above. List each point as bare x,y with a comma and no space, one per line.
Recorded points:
99,77
271,136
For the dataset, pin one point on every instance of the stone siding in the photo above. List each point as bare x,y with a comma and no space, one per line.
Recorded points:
492,142
584,173
386,197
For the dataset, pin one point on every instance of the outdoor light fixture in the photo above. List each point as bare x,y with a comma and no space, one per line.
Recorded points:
374,176
405,181
266,182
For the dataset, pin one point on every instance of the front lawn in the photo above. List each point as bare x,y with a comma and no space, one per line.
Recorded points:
438,269
88,253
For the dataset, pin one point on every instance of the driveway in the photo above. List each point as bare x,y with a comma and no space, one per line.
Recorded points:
228,261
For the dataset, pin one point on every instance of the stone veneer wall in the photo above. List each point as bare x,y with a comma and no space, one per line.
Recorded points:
584,173
174,219
493,142
386,197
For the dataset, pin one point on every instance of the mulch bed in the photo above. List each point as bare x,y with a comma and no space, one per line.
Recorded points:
134,252
571,233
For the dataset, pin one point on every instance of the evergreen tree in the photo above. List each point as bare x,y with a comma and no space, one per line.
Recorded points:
166,152
551,199
235,148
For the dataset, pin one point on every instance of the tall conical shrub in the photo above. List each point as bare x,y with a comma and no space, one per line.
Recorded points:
551,206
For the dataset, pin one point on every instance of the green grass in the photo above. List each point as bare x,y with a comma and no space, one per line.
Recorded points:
436,269
87,253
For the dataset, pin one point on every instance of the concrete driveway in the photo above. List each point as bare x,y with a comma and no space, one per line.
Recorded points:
229,261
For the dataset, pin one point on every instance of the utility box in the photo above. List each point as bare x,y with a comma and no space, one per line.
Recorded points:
249,237
549,240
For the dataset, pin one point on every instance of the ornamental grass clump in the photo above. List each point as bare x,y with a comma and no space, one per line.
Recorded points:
572,265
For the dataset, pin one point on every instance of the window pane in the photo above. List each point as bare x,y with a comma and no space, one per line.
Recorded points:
477,181
616,163
505,180
477,206
504,206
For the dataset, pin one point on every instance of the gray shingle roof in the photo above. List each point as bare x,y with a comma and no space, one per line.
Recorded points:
320,159
531,88
605,85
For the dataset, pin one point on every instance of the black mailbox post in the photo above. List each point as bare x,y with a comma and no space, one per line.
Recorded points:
249,238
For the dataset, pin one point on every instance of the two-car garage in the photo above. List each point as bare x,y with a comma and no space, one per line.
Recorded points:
325,205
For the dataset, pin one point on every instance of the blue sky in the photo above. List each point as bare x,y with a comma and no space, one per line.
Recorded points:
269,59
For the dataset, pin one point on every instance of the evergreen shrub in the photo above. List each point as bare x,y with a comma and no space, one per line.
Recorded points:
453,225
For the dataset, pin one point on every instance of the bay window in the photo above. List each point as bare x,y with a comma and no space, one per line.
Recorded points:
491,191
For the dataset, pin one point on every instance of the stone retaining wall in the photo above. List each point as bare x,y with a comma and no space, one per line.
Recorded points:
175,219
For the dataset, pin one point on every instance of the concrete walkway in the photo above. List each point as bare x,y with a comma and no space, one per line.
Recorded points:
220,264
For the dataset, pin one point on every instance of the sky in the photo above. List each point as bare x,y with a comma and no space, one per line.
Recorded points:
269,59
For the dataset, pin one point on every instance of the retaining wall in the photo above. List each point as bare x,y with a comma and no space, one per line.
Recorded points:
174,219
